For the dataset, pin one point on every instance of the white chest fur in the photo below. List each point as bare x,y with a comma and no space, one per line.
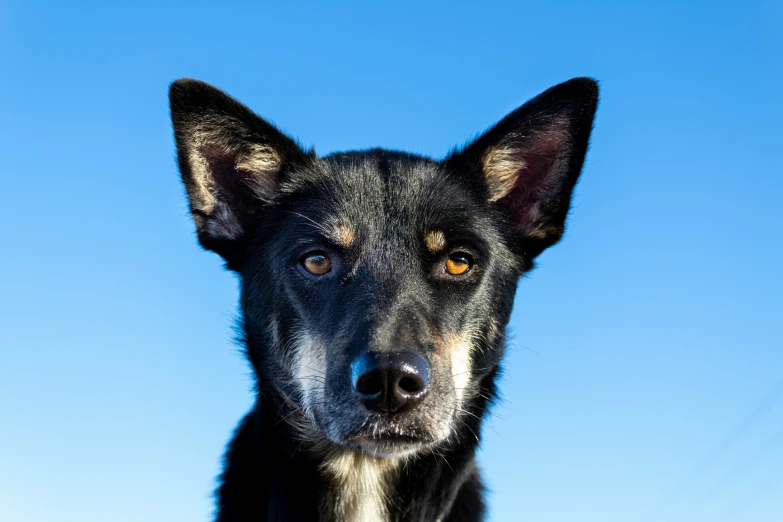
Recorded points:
361,485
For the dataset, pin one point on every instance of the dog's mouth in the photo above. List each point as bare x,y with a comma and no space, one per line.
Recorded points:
391,438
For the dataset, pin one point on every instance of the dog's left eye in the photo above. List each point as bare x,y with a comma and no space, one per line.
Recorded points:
458,263
317,263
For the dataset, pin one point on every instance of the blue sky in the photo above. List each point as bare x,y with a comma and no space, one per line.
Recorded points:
645,382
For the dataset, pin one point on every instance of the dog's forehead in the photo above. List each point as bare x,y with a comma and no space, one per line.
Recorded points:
395,178
386,193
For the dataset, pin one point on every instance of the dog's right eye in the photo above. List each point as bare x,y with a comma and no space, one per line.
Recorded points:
317,263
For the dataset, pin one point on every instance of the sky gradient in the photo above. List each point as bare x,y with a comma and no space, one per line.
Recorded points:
645,378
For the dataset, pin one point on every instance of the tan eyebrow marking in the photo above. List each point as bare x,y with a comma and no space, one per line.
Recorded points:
343,235
435,241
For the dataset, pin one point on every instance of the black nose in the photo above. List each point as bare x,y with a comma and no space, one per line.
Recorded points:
389,382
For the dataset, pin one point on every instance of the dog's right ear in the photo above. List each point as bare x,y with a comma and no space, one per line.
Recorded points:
231,161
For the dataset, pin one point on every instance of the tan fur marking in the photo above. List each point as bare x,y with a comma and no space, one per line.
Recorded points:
309,368
343,235
493,331
361,481
435,241
504,162
273,327
501,168
545,232
459,350
201,174
263,162
260,159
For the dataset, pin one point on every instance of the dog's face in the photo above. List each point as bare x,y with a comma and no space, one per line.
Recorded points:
373,279
376,285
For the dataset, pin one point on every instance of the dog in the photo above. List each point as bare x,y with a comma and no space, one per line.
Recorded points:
376,287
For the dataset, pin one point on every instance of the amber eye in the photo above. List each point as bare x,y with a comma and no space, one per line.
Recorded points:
458,263
317,263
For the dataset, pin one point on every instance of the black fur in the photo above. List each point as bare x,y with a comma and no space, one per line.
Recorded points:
264,204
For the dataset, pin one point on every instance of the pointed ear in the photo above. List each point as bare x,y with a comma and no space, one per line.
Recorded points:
231,162
528,163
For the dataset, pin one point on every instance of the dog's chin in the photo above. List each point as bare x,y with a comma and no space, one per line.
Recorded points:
389,448
391,443
384,445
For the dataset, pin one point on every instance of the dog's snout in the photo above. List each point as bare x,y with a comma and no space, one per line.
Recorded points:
390,382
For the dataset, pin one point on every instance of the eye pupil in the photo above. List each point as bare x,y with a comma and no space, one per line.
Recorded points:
458,264
317,264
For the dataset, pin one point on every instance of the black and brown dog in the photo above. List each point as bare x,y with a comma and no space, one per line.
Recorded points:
375,291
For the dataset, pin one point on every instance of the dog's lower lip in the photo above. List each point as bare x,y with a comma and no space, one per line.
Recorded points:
387,440
389,443
401,435
395,439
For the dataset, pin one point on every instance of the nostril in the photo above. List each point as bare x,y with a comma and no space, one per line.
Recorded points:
370,384
410,384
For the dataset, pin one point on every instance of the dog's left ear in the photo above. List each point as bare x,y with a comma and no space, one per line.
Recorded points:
528,163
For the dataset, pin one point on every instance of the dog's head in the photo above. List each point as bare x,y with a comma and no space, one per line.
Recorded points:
376,285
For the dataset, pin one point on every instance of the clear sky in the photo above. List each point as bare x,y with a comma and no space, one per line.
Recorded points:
645,382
